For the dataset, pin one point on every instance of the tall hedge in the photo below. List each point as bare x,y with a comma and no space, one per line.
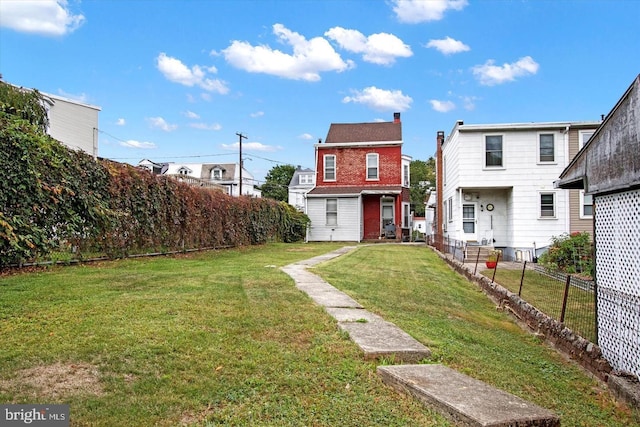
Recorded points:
54,200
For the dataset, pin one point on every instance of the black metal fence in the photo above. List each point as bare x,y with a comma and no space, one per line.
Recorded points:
569,299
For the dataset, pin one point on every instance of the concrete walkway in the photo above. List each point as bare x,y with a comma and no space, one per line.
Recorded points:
460,398
376,337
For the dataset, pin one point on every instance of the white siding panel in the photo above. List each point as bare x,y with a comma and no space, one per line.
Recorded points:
348,228
75,125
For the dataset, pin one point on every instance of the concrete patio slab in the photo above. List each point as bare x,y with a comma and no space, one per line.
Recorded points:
465,400
382,339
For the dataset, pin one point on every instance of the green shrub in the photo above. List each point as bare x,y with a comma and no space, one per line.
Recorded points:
570,253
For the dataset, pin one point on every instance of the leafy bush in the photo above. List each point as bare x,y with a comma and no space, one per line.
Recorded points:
570,253
55,201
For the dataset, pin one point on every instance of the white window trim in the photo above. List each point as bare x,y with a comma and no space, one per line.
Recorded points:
326,214
406,215
555,205
581,140
444,171
375,156
335,169
406,175
547,162
484,153
582,215
450,209
305,179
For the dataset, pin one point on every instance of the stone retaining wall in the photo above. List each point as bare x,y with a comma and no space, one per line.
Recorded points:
586,353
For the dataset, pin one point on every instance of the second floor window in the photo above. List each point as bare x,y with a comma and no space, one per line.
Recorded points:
372,166
493,151
405,176
546,148
329,167
306,179
217,174
547,205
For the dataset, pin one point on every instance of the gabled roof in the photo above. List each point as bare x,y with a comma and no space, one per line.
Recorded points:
610,161
364,132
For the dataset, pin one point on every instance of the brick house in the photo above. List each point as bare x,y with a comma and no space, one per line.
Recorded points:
362,184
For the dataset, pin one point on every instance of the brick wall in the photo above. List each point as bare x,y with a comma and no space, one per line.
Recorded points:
351,165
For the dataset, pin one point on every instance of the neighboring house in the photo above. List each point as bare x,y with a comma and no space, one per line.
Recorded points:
496,185
302,181
608,169
225,175
73,123
429,213
420,226
362,184
155,168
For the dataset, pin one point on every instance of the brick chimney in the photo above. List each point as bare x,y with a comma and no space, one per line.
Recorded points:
396,118
439,211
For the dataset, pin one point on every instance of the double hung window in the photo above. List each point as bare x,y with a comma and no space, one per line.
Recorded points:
546,148
372,166
329,167
493,151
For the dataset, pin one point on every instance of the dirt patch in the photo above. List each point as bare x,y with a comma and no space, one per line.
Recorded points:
55,381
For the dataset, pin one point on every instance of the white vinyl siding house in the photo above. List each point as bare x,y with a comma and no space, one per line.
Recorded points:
327,224
73,123
498,189
301,183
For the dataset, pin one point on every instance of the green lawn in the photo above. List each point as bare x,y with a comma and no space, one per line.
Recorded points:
546,294
225,338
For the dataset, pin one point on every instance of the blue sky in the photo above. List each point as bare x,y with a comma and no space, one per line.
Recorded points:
176,80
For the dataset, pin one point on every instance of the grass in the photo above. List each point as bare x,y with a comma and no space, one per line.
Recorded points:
546,294
413,288
224,338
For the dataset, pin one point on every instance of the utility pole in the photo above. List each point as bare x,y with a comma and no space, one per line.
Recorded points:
240,136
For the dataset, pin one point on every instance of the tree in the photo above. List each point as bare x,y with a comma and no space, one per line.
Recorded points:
25,104
423,177
277,181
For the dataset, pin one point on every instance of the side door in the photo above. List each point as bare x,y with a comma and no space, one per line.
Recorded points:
469,222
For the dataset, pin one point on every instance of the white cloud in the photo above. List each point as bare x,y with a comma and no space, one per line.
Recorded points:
174,70
306,136
251,146
380,99
160,123
138,144
205,126
309,58
489,74
442,106
380,48
257,114
191,115
469,102
44,17
121,122
448,45
79,98
415,11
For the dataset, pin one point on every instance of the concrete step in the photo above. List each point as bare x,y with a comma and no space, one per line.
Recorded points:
377,338
464,400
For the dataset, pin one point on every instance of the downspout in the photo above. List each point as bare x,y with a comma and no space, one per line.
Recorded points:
360,225
567,193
